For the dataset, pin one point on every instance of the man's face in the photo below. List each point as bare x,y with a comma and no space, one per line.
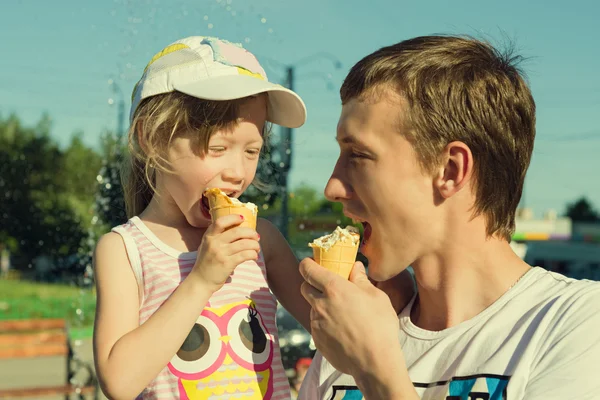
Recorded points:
379,181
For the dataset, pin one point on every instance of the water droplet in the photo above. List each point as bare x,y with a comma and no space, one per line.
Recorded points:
206,17
270,30
247,40
108,186
210,26
301,227
263,20
79,311
111,101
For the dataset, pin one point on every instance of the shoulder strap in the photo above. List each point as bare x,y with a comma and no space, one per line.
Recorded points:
134,258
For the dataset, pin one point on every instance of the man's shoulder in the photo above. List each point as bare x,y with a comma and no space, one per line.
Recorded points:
564,299
557,286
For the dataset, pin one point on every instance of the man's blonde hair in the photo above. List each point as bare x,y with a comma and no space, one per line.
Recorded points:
459,89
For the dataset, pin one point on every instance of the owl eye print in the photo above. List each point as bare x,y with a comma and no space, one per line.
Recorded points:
228,352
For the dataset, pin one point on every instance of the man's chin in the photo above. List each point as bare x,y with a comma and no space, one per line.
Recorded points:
380,271
374,271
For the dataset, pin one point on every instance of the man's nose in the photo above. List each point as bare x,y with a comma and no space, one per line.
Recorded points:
338,188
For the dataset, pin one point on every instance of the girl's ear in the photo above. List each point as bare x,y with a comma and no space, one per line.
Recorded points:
139,133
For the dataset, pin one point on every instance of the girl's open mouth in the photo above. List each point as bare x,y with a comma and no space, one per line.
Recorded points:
205,207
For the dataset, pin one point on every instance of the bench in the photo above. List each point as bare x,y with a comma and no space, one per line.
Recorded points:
36,338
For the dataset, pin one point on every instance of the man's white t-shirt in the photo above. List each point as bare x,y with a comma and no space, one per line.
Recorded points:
539,341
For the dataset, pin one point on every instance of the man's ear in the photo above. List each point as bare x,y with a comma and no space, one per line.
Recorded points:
456,169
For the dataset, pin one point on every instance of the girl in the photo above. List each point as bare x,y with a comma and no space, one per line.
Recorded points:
184,306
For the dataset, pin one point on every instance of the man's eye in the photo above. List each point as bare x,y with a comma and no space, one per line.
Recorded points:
355,154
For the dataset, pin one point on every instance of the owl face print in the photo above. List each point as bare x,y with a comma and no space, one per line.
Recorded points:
227,354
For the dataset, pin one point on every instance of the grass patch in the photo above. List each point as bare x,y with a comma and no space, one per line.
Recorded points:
25,300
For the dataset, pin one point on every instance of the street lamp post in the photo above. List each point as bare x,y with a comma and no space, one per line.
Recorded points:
286,161
120,110
287,137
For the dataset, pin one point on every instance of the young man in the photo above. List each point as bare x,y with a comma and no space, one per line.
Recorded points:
436,135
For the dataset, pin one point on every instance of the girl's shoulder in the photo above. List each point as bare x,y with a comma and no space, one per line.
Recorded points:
110,244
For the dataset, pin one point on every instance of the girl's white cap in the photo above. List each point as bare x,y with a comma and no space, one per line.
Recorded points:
214,69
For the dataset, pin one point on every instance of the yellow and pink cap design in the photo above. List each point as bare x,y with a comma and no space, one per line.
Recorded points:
215,69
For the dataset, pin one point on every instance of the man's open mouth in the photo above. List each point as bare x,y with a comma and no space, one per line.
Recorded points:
367,230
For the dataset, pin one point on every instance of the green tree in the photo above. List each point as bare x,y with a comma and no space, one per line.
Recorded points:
582,210
304,200
110,201
46,192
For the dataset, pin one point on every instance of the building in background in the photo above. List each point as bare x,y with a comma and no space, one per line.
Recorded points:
558,244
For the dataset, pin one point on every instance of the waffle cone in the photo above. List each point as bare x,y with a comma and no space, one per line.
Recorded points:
339,258
248,214
217,199
220,204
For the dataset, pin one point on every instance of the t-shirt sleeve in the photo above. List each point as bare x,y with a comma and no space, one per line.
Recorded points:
567,366
310,385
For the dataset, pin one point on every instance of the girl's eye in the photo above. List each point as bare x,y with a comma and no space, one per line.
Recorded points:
253,152
217,149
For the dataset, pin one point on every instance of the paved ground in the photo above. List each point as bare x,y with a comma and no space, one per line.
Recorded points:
47,371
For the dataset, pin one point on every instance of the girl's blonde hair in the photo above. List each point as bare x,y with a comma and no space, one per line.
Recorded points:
157,121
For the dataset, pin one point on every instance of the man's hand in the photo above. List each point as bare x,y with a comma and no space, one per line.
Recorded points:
356,329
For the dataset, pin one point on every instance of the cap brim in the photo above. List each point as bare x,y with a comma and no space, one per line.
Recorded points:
285,107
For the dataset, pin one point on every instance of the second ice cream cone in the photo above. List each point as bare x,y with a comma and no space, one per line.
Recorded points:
337,251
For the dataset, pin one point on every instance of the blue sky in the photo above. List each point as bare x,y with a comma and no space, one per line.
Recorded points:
57,57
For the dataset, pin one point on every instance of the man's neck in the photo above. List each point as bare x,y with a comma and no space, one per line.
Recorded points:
466,276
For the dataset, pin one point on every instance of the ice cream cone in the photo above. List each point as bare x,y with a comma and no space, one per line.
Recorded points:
249,215
337,251
221,204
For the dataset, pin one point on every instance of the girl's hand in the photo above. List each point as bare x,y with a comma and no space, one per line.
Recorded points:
225,245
